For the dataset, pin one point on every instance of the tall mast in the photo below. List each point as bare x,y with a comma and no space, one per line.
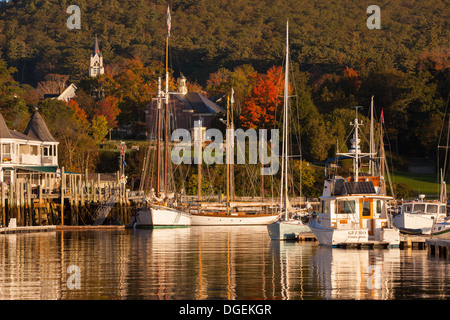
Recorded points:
228,155
166,122
372,143
285,125
158,142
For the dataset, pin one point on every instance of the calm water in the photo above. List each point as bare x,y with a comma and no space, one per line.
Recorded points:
209,263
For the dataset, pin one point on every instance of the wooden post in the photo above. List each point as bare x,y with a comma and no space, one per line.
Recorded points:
16,198
3,186
63,190
29,205
40,203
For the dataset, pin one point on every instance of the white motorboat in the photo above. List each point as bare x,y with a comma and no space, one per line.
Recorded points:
441,229
354,209
419,216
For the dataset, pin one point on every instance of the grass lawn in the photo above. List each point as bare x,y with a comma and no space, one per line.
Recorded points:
422,183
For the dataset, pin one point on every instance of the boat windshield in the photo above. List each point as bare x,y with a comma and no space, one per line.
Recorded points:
407,207
443,209
345,206
432,208
418,208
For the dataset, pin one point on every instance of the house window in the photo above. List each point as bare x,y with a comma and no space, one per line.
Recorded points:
34,150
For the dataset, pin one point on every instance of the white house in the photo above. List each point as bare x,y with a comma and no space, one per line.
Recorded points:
33,149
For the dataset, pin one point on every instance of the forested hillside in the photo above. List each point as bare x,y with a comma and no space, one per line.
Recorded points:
337,61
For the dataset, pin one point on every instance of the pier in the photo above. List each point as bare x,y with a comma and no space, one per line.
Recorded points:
438,247
59,198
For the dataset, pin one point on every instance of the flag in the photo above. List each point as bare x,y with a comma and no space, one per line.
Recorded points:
382,116
169,22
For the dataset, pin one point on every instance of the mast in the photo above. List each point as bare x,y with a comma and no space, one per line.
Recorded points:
158,142
355,151
284,170
166,121
372,144
228,156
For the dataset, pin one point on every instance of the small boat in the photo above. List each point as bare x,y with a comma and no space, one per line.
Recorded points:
354,210
419,216
286,228
441,230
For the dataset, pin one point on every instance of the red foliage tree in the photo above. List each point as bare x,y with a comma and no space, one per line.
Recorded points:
259,107
109,108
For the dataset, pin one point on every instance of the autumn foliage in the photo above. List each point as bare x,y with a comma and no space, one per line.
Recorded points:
260,107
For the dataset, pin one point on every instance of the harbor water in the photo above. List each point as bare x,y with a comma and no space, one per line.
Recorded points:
209,263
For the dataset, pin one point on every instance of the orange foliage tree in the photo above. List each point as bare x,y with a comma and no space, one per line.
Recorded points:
260,107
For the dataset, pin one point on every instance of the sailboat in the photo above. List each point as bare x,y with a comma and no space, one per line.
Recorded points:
155,213
230,214
354,210
286,228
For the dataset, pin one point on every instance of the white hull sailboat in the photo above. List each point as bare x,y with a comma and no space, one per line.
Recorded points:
152,214
285,228
354,210
161,217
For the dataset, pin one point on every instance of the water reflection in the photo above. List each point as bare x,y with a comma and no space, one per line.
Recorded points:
209,263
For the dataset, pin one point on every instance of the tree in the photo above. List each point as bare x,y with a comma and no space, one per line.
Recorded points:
108,108
99,128
260,106
12,103
69,125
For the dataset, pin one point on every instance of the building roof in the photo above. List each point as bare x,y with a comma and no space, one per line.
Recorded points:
37,129
198,103
68,93
4,131
19,135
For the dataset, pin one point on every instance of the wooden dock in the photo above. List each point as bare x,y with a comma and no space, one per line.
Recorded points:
438,247
413,241
305,236
89,228
406,241
27,229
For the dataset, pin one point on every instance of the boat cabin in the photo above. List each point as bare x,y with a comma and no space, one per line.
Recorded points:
347,204
420,207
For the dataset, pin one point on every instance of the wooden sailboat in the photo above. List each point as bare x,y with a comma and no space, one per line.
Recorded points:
155,213
286,228
228,215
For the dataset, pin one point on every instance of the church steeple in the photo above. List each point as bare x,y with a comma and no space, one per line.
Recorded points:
96,66
96,49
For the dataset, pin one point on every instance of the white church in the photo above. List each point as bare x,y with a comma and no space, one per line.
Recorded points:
96,67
